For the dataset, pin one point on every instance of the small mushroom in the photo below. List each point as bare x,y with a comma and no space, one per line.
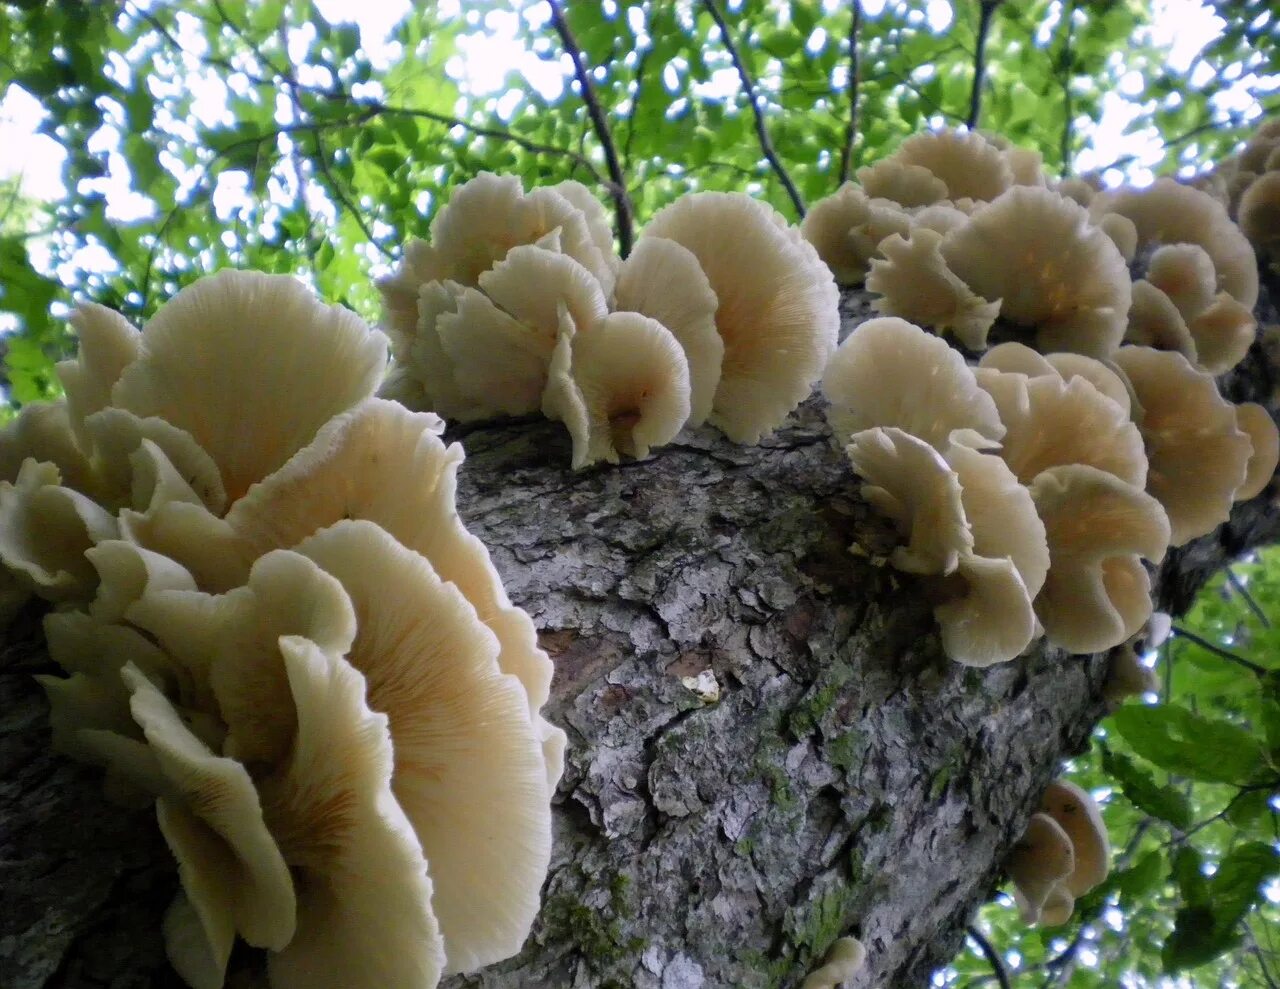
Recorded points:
873,380
107,344
846,229
1185,273
1122,233
1154,321
777,306
1223,331
1076,812
1254,420
1042,858
1259,213
842,962
967,164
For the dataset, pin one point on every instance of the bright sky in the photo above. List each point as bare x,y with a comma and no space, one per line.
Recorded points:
487,56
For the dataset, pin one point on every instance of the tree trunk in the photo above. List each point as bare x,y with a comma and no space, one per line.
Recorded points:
848,779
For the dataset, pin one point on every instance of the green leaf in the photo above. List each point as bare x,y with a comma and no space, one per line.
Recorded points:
1164,802
1189,744
1205,929
1142,877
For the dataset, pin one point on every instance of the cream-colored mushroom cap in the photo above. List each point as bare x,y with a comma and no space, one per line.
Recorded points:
846,229
230,866
231,642
382,463
1199,457
874,379
841,963
902,183
45,529
1259,211
1042,857
967,164
992,620
1097,593
914,282
1078,189
1001,514
364,897
908,480
469,768
1018,358
1077,814
1127,676
1051,422
1223,332
599,228
1185,273
1169,212
777,311
663,280
191,369
1256,421
42,431
107,344
1053,269
1154,321
1122,233
626,389
1058,906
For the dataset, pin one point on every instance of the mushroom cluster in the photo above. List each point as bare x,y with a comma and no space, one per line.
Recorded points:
276,629
1248,185
1106,413
1063,854
519,305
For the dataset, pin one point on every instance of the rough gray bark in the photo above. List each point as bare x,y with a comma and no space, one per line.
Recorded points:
850,779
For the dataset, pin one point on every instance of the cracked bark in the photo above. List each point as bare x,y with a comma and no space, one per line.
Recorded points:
849,780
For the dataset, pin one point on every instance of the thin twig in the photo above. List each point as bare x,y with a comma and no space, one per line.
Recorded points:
749,89
986,9
621,201
642,61
1064,148
1256,951
1217,650
997,964
1239,587
851,130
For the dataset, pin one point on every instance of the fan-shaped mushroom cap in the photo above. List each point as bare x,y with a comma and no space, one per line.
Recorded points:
419,266
777,311
1097,593
846,229
1256,421
232,642
191,369
42,431
1058,906
45,529
1169,212
108,343
1198,456
1223,333
599,229
1079,190
663,280
1259,212
624,389
1154,321
1122,233
127,572
905,184
1026,164
1051,267
874,378
1077,814
942,217
1185,273
966,163
993,620
1051,422
364,898
468,771
842,962
1018,358
914,282
1041,858
909,481
213,821
1001,514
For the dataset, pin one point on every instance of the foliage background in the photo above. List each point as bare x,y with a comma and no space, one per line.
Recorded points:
272,135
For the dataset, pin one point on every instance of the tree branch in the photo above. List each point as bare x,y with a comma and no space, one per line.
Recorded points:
1065,68
1217,650
621,201
851,130
1239,587
749,88
992,956
642,61
986,10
